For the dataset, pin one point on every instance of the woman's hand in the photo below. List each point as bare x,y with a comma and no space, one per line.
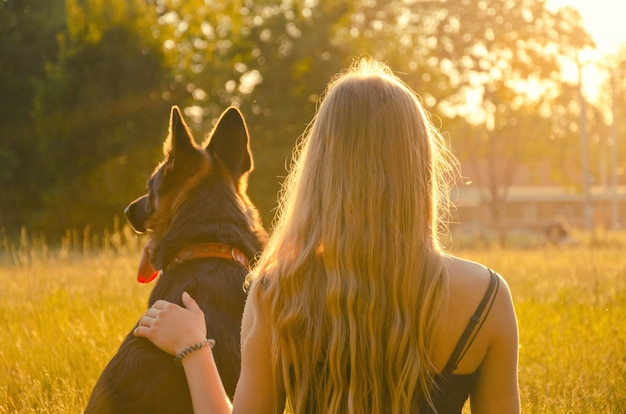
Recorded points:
173,328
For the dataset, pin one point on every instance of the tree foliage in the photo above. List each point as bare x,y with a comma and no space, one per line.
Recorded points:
505,52
27,35
115,67
100,115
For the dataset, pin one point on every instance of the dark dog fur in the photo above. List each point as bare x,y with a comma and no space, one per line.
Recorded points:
197,194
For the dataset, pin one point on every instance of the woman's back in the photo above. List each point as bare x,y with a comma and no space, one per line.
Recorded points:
481,347
356,277
487,363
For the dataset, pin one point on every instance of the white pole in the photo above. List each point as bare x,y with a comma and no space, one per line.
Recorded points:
584,144
614,200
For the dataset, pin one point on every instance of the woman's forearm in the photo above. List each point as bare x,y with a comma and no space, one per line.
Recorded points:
205,385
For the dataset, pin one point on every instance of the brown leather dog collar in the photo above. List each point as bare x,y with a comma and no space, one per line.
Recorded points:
206,250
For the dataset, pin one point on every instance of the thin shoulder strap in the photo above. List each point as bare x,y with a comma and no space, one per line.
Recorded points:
484,307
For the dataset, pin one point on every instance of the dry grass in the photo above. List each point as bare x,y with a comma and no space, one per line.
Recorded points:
63,314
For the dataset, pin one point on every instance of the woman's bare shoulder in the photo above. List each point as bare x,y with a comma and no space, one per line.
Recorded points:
469,280
468,284
494,352
466,275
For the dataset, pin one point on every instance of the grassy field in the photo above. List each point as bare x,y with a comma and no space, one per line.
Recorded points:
64,313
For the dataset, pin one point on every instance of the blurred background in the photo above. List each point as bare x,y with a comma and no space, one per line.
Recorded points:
529,94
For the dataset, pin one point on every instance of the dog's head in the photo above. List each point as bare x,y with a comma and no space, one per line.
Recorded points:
226,151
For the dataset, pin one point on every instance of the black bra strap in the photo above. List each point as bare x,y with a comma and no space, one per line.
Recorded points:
465,342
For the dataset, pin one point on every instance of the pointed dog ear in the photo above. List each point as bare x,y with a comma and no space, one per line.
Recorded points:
179,139
230,142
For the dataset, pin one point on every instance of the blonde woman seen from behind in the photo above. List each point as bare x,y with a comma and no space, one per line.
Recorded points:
354,307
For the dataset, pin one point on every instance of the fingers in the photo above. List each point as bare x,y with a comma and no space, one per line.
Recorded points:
162,304
149,317
164,317
151,313
147,321
190,303
159,309
141,331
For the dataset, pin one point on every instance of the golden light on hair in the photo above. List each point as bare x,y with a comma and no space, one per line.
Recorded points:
358,281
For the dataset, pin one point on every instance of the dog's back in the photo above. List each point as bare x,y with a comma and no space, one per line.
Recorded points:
196,198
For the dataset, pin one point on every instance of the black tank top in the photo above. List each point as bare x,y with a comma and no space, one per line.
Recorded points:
452,390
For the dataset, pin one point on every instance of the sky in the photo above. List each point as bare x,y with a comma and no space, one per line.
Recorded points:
605,21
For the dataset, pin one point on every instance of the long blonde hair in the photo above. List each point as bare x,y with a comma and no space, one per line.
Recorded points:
353,274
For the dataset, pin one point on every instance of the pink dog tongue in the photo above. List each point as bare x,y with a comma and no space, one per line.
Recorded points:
146,273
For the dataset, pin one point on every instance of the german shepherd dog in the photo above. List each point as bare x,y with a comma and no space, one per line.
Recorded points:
202,231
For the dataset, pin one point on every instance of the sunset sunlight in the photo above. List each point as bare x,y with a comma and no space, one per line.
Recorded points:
604,20
422,202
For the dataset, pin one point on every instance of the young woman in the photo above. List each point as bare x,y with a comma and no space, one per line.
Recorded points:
354,306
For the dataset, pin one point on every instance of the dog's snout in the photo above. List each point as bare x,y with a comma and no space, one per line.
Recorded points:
138,212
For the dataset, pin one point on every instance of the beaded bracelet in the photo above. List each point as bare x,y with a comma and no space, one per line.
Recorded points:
182,354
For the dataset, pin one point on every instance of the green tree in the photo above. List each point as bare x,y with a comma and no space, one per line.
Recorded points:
28,31
271,59
100,112
505,55
121,63
274,59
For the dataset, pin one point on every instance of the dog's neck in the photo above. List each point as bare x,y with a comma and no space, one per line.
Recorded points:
208,250
148,273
